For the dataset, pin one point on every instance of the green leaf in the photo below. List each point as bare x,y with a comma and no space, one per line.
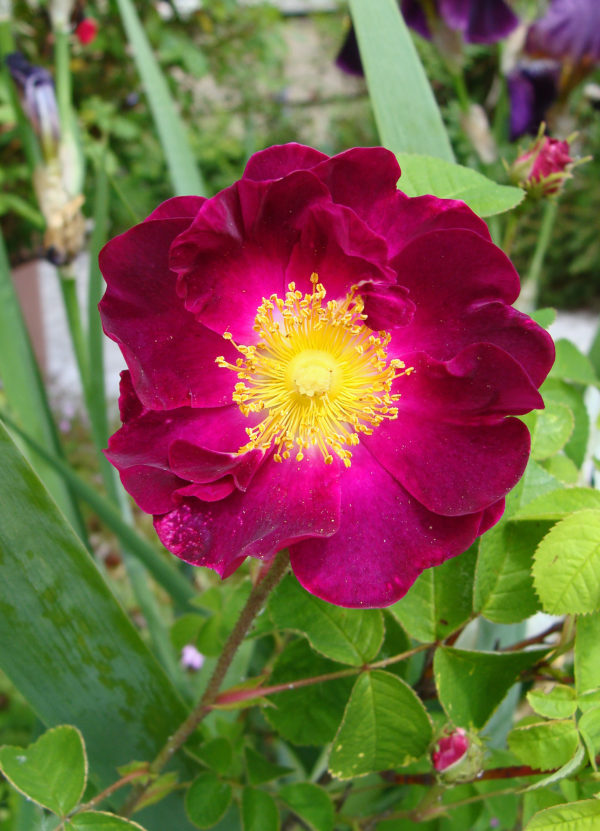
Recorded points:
158,790
100,821
472,684
260,770
259,811
162,570
566,569
325,702
217,754
589,729
587,654
58,615
544,317
558,504
558,702
504,590
423,175
572,396
309,802
571,364
350,636
385,726
550,429
52,771
588,700
397,82
440,600
577,816
207,800
185,176
570,768
562,468
544,745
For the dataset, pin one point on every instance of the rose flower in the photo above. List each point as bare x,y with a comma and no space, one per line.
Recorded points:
317,361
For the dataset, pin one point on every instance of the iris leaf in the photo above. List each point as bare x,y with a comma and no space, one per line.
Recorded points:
406,112
185,176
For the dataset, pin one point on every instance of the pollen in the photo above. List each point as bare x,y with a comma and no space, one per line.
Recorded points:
319,375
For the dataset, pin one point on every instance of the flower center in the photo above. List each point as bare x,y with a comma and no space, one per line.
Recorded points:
317,372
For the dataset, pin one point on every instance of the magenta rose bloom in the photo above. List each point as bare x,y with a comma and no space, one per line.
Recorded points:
318,361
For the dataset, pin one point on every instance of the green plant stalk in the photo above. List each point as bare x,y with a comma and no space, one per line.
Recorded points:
171,580
253,607
460,87
68,287
531,284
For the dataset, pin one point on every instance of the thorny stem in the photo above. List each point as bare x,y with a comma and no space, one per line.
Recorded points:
234,695
253,606
259,692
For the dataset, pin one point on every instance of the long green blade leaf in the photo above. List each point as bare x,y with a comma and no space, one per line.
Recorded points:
25,391
406,112
185,176
66,643
170,579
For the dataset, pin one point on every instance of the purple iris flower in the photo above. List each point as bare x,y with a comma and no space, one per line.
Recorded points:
532,89
570,31
479,21
348,59
38,98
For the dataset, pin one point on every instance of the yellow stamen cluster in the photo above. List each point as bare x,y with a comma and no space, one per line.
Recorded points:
320,375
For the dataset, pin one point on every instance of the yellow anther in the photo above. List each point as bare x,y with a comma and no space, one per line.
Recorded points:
318,373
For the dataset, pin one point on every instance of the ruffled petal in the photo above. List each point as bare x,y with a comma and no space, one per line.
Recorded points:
178,207
450,446
404,218
345,176
340,248
171,357
237,250
454,469
385,540
280,160
287,502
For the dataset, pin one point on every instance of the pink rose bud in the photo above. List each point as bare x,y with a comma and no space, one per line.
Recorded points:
86,31
457,756
450,749
542,169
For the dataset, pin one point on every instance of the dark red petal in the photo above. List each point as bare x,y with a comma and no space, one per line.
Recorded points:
237,250
171,357
363,178
403,219
338,246
491,516
286,502
482,383
385,540
386,307
178,207
453,469
280,160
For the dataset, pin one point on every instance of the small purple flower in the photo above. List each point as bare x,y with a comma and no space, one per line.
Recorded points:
569,31
191,658
532,89
479,21
38,99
